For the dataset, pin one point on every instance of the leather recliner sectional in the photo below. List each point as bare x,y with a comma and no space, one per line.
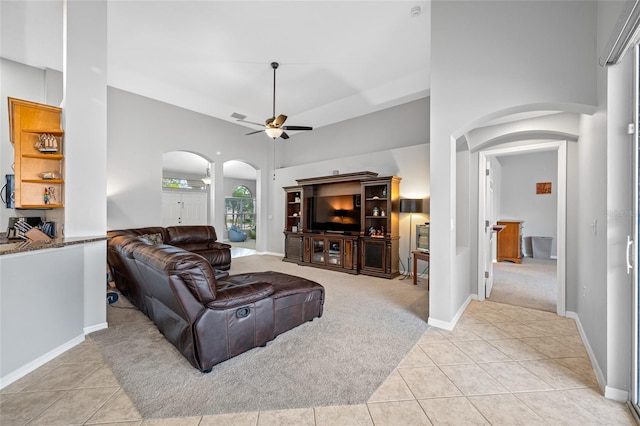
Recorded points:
207,314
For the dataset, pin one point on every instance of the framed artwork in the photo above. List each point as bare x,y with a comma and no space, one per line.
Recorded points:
543,188
357,200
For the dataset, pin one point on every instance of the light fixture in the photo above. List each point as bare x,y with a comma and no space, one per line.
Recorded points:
411,206
273,132
207,178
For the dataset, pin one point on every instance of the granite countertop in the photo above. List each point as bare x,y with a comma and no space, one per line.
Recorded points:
21,246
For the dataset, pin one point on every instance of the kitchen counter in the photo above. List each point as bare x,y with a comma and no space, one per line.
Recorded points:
20,246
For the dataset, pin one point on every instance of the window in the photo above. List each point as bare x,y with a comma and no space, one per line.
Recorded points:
240,210
179,183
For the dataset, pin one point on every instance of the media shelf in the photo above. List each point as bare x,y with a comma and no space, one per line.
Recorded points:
344,222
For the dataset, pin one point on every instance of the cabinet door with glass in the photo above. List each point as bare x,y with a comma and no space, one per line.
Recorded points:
327,251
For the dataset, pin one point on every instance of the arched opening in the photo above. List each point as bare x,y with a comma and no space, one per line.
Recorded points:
241,207
186,189
506,139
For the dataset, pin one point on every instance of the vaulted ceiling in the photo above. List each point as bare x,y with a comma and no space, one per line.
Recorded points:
338,59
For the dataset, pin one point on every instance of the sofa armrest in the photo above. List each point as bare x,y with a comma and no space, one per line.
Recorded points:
218,245
232,296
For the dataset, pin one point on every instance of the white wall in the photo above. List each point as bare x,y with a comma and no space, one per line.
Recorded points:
490,59
616,96
518,198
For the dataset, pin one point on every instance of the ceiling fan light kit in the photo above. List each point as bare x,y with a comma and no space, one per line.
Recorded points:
274,126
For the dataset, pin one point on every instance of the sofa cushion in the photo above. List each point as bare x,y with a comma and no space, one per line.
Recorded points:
190,235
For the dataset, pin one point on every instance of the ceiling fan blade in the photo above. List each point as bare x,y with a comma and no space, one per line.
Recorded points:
297,128
253,133
284,135
280,120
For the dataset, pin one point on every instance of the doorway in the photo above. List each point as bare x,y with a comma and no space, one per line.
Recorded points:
487,229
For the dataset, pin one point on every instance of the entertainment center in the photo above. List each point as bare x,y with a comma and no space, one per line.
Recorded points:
346,222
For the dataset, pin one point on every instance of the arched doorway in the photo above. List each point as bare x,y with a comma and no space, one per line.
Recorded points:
241,207
186,189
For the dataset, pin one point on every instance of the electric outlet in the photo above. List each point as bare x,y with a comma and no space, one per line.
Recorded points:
584,292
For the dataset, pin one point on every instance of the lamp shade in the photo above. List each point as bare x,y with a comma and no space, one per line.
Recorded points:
411,205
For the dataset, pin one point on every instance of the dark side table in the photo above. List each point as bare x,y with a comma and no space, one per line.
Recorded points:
419,255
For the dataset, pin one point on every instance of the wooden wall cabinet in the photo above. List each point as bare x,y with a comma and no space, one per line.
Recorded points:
372,250
34,130
510,241
379,257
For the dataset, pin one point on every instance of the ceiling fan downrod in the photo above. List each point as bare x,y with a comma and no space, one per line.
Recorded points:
274,65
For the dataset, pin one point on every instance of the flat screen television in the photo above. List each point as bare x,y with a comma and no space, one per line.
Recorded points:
337,213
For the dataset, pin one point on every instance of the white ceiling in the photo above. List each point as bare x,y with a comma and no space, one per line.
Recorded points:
338,59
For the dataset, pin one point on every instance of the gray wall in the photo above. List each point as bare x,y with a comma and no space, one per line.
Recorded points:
404,125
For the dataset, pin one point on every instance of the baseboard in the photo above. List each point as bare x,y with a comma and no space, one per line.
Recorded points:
39,362
451,324
616,394
270,253
91,329
594,363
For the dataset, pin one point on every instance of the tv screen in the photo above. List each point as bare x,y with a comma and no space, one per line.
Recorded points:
335,213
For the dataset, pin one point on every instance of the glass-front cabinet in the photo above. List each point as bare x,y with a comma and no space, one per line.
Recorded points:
332,251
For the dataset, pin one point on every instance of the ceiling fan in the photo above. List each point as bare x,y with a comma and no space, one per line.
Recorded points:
274,126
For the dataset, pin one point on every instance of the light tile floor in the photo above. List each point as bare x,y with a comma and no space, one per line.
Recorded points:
501,365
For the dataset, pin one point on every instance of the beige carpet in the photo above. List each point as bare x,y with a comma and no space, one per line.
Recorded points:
531,284
369,325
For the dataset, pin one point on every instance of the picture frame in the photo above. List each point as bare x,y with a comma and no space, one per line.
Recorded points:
357,201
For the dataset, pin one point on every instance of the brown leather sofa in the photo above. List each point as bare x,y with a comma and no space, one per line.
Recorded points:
208,315
200,239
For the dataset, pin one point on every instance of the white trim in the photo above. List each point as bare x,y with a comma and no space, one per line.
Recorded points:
96,327
39,362
451,324
594,363
561,147
616,394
